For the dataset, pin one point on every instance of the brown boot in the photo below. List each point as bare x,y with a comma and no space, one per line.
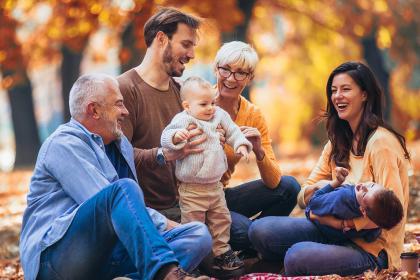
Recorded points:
177,273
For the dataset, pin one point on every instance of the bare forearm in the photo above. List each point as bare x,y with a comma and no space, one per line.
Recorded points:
333,222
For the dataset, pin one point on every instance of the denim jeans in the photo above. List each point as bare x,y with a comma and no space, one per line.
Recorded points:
251,198
306,251
113,235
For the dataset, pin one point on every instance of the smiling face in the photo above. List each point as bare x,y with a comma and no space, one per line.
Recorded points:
179,50
112,113
365,194
348,99
200,102
227,85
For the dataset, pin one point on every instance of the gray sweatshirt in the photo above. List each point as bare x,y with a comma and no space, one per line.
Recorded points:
209,166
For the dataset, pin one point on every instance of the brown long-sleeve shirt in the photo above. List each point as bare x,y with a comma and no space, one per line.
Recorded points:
151,110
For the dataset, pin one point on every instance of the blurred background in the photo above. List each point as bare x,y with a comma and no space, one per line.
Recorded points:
46,45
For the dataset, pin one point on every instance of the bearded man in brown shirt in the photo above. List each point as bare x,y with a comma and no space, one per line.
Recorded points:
152,98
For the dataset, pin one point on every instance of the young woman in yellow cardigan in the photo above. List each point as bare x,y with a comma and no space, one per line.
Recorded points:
274,194
362,142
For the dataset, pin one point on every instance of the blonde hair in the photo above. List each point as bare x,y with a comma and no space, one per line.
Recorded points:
237,53
191,82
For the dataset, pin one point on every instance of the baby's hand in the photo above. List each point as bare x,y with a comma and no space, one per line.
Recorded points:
340,174
243,151
180,135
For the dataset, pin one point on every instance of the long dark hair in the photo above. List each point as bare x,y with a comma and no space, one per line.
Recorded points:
339,131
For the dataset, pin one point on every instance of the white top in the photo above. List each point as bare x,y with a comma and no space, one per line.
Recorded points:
209,166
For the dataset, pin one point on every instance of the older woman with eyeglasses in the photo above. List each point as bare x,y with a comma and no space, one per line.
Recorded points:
273,194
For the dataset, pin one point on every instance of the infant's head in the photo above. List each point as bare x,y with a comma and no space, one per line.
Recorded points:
382,206
198,98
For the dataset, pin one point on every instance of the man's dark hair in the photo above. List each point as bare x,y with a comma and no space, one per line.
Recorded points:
387,210
166,20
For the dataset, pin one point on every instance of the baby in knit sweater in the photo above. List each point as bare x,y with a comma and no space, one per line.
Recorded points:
201,195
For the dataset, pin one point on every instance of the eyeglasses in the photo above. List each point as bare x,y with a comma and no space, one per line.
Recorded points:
225,73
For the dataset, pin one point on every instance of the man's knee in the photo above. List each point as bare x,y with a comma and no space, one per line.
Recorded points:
201,231
128,187
291,185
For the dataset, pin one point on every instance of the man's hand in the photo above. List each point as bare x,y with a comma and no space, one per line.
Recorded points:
243,151
171,224
254,136
190,147
180,135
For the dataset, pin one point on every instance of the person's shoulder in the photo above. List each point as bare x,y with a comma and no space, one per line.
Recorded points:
130,83
221,112
69,134
382,137
127,77
250,113
66,137
248,106
181,117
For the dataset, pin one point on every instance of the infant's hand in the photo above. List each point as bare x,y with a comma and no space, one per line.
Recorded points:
341,174
243,151
180,135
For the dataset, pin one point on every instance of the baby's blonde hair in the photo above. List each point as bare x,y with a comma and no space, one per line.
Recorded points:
191,82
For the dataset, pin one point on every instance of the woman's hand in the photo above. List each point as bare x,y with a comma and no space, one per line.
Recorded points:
309,192
254,136
333,222
327,220
222,134
190,147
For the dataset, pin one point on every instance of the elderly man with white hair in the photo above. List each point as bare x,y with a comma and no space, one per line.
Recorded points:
86,217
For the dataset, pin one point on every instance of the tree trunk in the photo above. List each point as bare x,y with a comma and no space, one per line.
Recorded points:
23,118
70,71
240,31
373,57
132,55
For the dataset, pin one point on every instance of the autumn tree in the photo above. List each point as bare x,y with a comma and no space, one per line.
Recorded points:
18,86
132,38
384,30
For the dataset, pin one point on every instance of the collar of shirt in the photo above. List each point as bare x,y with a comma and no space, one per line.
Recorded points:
123,145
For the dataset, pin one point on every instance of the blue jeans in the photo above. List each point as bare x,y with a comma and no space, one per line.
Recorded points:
248,199
113,235
306,251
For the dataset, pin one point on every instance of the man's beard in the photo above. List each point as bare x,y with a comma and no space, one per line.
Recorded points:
168,61
115,131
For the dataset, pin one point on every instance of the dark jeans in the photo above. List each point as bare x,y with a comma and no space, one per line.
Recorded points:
306,251
247,200
113,235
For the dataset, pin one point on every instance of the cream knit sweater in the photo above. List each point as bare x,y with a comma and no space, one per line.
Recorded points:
206,167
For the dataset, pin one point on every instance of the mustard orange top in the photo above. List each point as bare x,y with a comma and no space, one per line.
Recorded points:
383,163
250,115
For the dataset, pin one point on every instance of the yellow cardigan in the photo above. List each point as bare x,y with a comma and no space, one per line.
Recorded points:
383,163
250,115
